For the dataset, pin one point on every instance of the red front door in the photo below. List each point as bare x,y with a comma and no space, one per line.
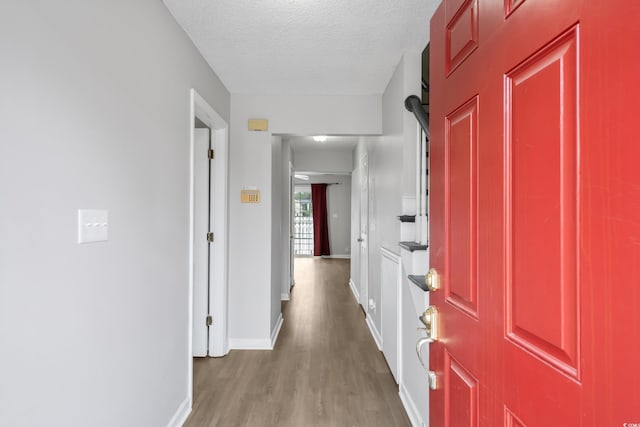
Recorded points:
535,212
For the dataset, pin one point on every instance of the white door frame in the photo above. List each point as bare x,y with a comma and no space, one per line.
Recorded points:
218,332
364,254
291,231
355,233
287,235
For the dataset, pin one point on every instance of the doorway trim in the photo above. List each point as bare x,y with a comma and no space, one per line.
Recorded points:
218,297
364,255
289,276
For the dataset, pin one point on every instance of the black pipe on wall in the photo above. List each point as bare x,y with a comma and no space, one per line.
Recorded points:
414,105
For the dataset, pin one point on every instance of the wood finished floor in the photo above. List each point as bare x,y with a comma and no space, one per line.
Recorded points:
324,371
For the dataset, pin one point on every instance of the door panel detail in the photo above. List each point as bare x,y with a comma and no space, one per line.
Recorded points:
462,34
511,5
556,341
510,420
452,7
461,394
542,286
461,137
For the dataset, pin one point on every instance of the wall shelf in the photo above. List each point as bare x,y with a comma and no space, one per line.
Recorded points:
419,281
413,246
407,218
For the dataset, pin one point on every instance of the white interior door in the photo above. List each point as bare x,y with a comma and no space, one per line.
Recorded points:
355,232
201,250
364,233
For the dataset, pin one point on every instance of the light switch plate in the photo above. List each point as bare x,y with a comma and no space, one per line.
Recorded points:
93,225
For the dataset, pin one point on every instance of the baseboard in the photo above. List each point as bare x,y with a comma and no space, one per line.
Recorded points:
250,344
181,414
410,407
337,256
285,297
354,290
276,331
374,332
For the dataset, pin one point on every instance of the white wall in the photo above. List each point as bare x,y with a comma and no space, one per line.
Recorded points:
338,210
95,114
414,378
385,183
250,225
392,175
250,228
338,160
316,114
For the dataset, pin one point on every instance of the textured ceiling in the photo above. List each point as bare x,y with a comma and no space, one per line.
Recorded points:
313,47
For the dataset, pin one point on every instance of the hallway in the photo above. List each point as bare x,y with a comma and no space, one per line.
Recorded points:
324,371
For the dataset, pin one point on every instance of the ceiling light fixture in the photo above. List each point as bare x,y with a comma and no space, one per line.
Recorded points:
320,138
302,177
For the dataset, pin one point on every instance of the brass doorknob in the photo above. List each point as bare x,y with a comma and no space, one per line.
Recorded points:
431,322
432,279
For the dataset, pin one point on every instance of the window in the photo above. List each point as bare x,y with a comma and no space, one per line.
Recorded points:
303,223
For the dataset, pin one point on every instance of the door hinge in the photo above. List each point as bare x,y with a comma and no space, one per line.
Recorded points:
211,154
209,320
210,237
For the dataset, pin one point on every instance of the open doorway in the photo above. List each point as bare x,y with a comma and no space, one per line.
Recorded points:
302,221
322,201
306,161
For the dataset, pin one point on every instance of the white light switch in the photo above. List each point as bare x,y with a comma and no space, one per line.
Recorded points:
93,225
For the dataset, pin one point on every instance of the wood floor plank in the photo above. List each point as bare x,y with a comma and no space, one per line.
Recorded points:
324,371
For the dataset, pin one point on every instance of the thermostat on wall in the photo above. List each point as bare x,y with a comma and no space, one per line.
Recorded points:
250,195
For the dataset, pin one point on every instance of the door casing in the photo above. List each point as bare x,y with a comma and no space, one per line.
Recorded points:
364,232
218,332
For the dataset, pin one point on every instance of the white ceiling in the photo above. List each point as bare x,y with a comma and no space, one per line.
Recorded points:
311,47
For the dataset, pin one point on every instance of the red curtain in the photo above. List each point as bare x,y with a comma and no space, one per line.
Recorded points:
320,224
